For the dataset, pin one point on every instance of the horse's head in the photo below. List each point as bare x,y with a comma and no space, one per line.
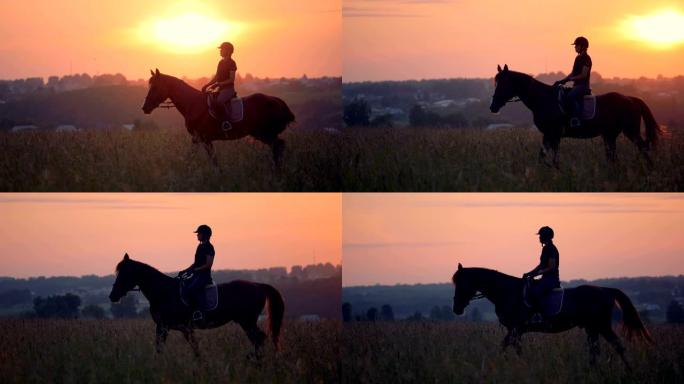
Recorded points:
126,279
503,90
464,289
160,89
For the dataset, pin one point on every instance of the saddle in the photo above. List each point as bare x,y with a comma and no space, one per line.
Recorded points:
217,111
207,300
589,104
549,305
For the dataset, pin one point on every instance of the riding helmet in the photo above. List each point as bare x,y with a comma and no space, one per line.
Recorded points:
204,229
227,45
581,41
545,232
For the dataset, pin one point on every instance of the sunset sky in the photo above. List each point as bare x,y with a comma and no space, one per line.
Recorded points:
44,37
421,238
415,39
77,234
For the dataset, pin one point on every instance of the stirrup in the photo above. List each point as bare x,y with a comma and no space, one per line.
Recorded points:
575,122
536,318
197,316
226,125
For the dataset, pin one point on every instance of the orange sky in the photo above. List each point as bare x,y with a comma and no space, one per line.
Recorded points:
398,40
421,238
77,234
45,37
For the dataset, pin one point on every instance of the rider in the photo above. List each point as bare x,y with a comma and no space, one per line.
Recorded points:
200,269
548,268
224,80
580,75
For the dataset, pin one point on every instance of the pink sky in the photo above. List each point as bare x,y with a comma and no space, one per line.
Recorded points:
77,234
44,37
421,238
399,40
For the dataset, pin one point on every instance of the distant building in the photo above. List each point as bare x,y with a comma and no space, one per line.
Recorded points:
499,125
128,127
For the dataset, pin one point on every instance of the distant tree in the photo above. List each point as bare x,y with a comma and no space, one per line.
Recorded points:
448,313
645,315
382,121
346,312
455,120
420,117
372,314
125,308
436,313
93,311
60,306
357,113
418,316
675,312
386,313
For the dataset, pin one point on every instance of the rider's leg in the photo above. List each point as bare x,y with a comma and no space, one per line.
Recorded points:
576,97
224,98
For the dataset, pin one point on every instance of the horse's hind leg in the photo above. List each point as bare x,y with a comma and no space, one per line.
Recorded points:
162,333
614,340
255,335
634,136
594,349
611,148
211,152
512,338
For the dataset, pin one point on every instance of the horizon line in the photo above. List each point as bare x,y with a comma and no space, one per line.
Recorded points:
562,281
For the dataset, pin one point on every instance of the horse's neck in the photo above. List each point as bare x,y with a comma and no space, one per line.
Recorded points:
183,96
533,93
154,284
494,285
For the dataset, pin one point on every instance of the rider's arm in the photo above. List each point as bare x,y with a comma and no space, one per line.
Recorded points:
553,263
207,265
581,75
229,80
212,81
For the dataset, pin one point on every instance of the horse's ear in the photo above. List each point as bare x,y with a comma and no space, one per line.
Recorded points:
157,71
152,72
126,256
460,266
505,67
498,67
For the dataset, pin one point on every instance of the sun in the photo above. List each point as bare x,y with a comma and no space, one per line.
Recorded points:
663,29
187,33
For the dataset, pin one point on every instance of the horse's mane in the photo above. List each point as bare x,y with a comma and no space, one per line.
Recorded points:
140,266
482,271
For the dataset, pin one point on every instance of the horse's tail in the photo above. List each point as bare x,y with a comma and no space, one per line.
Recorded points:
631,322
653,130
276,310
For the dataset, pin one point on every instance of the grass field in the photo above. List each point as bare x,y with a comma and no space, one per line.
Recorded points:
400,159
122,351
164,160
431,159
426,352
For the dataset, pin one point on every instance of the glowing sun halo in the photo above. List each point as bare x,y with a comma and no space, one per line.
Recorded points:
663,29
187,33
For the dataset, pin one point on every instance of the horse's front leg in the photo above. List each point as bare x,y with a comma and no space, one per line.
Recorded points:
162,333
512,338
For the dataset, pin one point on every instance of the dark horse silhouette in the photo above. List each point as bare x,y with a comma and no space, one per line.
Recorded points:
615,113
239,301
265,117
586,306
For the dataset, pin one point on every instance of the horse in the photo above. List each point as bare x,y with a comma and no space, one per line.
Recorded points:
238,301
586,306
615,114
265,117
